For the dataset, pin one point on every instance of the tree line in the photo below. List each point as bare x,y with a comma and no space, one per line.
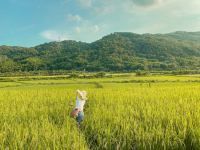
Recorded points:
121,52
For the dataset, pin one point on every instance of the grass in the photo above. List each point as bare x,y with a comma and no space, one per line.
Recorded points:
120,114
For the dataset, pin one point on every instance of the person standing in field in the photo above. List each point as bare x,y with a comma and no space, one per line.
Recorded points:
77,112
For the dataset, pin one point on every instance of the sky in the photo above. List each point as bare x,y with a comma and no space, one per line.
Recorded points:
33,22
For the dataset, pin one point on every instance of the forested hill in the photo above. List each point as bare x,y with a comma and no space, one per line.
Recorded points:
115,52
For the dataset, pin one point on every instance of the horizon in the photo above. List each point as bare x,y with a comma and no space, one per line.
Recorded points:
28,23
99,38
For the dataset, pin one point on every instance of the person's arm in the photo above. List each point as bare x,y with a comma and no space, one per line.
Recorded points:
77,91
78,94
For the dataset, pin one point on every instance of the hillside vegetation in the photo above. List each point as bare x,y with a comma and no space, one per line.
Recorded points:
115,52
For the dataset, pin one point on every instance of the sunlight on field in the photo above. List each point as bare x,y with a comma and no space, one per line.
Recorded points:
119,115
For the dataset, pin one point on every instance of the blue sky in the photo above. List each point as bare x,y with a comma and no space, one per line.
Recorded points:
32,22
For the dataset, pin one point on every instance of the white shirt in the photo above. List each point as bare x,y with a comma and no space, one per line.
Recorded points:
80,104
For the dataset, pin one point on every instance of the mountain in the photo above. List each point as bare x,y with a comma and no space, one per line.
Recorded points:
120,51
181,35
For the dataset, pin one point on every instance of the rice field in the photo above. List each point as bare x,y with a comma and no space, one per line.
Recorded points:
122,113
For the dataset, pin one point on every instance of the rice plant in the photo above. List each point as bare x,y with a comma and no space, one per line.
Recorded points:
118,116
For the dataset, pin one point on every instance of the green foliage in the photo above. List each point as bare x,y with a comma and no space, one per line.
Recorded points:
142,73
119,52
33,63
100,74
74,75
8,65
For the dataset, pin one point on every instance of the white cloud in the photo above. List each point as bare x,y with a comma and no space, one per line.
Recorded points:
183,8
102,17
54,35
146,3
87,28
85,3
104,10
95,28
100,7
74,17
88,32
77,29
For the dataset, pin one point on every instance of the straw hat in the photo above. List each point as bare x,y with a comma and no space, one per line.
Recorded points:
83,94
